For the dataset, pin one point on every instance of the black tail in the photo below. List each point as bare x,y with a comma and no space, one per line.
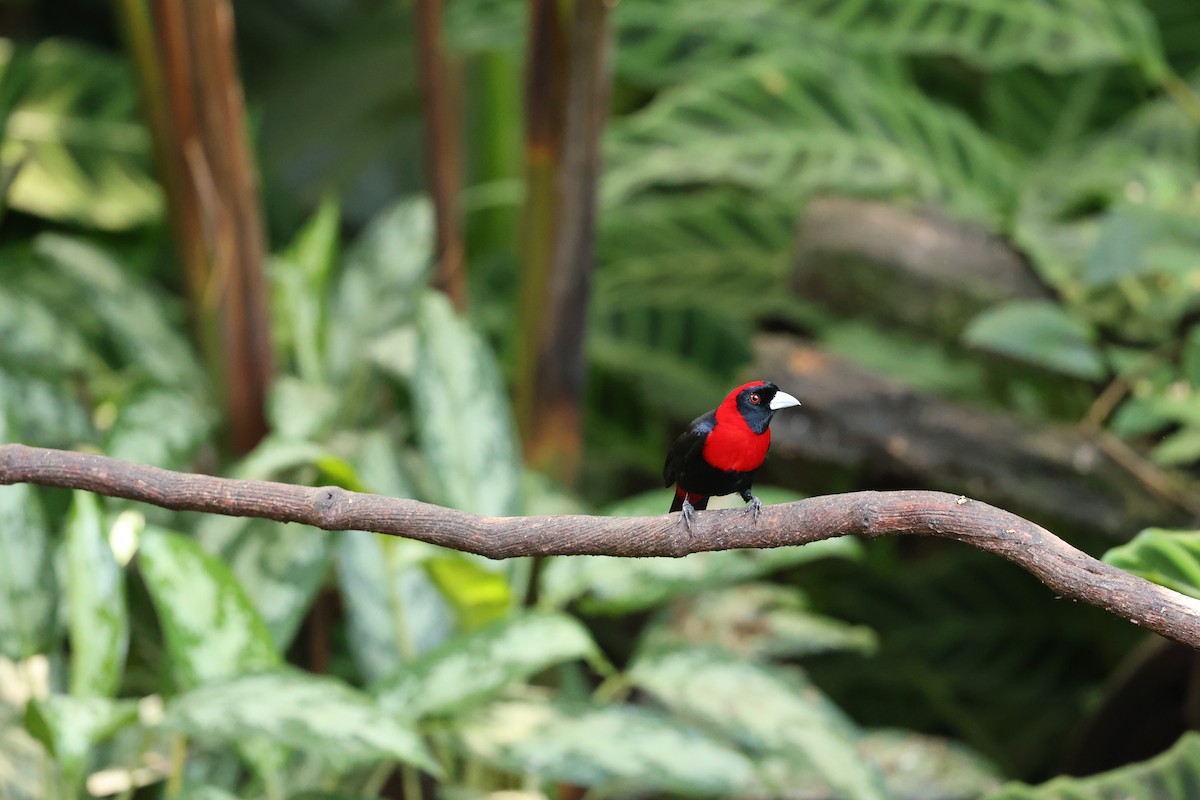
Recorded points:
699,502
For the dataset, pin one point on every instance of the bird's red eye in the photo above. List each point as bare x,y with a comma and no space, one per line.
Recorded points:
754,398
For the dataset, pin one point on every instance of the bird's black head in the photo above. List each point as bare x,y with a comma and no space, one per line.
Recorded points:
757,403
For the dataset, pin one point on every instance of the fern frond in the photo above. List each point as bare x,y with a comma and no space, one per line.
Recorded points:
775,124
672,353
1061,36
659,44
719,249
1039,112
1180,26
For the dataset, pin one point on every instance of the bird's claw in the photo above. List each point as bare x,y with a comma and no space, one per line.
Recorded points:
755,508
689,515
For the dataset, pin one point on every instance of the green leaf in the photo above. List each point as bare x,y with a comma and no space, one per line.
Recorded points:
381,275
1119,249
394,611
478,593
25,765
1169,558
1169,776
314,249
755,620
76,125
41,356
918,767
382,464
69,727
1179,447
621,750
97,617
485,25
160,427
32,337
1040,333
8,174
1189,361
280,567
206,792
139,320
276,456
1133,174
210,627
318,715
475,666
395,353
302,410
767,709
967,648
27,585
300,278
45,413
474,465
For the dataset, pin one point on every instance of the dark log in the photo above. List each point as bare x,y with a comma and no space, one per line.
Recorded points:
918,270
892,435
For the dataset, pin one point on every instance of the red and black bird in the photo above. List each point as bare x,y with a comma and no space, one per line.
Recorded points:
720,451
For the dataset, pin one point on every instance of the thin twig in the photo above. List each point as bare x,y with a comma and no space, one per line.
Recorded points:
1068,572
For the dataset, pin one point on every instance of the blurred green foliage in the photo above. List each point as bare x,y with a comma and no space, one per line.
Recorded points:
143,648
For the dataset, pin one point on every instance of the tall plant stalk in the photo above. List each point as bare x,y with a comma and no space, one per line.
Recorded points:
443,160
187,69
567,89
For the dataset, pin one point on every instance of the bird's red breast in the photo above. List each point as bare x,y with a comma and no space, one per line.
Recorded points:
732,446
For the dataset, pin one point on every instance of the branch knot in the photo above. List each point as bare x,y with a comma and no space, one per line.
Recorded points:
328,500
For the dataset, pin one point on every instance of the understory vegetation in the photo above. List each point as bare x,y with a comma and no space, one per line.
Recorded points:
145,653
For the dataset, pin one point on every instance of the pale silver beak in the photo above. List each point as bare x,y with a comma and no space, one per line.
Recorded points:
783,400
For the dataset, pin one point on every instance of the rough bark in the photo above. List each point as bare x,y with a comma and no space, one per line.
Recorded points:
1067,571
918,270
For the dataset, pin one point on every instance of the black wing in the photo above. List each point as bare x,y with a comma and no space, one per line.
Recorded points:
687,447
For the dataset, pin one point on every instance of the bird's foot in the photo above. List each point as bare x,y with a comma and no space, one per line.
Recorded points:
755,508
689,515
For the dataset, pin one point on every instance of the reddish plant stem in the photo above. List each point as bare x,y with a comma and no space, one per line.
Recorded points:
212,195
565,124
442,151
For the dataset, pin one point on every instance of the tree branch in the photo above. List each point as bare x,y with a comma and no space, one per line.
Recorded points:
1067,571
